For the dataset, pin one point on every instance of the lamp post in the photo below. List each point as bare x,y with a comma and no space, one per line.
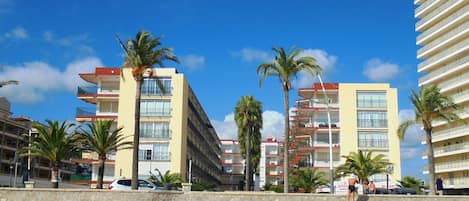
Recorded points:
331,165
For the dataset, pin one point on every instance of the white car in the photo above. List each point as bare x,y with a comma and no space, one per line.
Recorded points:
125,184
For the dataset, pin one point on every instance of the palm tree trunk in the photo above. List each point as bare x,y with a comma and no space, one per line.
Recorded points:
136,138
99,183
55,175
287,140
431,161
248,160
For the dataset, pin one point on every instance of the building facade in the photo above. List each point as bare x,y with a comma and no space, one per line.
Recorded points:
443,40
363,117
174,129
233,165
271,163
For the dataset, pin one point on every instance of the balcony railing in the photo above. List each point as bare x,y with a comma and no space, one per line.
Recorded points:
447,166
448,133
460,79
424,6
460,47
325,163
449,148
83,111
459,181
84,90
460,97
461,29
445,69
464,113
446,22
373,143
437,12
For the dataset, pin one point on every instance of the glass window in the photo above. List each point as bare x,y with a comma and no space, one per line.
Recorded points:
372,119
144,154
155,108
108,107
371,99
161,151
154,129
152,86
372,139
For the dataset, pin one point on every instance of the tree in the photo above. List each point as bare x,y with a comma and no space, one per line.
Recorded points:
308,179
141,53
165,180
102,139
363,165
429,106
285,66
248,118
55,144
3,83
411,182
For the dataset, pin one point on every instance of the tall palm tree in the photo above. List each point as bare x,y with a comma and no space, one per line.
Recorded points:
285,66
308,179
248,118
55,144
102,139
363,165
429,106
141,53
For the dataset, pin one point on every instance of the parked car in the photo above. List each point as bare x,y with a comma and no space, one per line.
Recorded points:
397,190
125,184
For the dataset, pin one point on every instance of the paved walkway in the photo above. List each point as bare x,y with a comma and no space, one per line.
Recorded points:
5,180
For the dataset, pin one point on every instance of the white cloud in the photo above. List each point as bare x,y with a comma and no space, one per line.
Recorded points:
38,78
192,61
323,59
273,126
378,71
253,55
17,33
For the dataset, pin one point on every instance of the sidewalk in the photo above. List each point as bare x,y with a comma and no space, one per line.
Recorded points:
39,182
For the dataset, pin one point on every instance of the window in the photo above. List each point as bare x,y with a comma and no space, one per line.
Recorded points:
323,138
155,108
372,139
151,86
144,154
372,119
161,151
108,107
371,99
154,129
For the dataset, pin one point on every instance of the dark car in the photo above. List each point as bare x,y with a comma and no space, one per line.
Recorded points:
404,191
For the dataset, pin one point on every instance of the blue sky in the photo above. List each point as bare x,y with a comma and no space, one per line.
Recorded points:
45,44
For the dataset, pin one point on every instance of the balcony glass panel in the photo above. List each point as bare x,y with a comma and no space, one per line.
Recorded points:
450,148
155,108
152,86
154,129
371,100
372,119
83,111
82,90
372,139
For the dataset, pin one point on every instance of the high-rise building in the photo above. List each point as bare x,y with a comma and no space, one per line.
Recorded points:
362,117
443,38
271,163
174,129
233,165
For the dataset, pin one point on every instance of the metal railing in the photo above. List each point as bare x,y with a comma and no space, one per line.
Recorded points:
439,167
445,69
453,50
449,132
375,143
440,41
437,27
437,12
449,148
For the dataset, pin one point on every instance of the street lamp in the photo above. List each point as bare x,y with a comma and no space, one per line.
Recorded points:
331,165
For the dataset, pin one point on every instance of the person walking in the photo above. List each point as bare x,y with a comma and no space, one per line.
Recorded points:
439,185
351,187
372,187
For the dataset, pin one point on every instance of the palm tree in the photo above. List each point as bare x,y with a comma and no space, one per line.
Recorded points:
3,83
248,118
102,139
141,53
55,144
165,180
285,66
411,182
308,179
363,165
429,105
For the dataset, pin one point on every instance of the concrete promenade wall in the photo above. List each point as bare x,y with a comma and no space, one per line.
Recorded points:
12,194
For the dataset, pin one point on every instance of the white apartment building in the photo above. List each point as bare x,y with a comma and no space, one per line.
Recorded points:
443,38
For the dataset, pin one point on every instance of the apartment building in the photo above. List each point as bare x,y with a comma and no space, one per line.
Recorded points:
174,129
443,40
271,163
233,165
363,117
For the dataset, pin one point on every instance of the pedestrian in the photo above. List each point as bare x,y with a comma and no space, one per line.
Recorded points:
372,187
351,187
439,185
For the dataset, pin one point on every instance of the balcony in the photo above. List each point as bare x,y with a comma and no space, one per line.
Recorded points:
90,114
451,166
443,25
458,32
463,114
459,80
445,70
444,55
461,97
91,94
449,133
373,144
423,8
437,13
448,150
320,163
458,182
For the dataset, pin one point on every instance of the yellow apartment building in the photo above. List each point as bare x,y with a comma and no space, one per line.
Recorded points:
175,132
363,117
443,40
